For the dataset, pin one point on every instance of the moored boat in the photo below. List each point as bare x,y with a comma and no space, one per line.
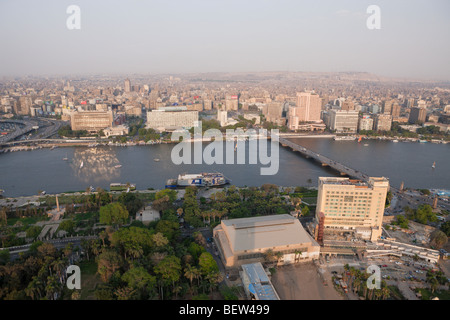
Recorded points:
199,180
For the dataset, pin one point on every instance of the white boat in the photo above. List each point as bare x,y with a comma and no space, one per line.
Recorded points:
156,159
82,164
365,144
344,138
118,166
434,165
395,140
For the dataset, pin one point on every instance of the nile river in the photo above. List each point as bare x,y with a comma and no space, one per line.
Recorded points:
27,172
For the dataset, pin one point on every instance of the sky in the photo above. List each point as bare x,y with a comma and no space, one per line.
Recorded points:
190,36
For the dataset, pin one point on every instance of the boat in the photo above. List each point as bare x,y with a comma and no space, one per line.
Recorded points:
395,140
65,158
82,164
122,187
118,166
344,138
198,179
359,139
1,192
366,144
156,159
434,165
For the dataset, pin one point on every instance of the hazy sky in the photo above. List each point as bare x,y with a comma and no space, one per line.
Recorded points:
183,36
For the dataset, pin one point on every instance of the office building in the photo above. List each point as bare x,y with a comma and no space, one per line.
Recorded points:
383,122
342,121
127,85
354,205
417,115
309,107
167,119
91,121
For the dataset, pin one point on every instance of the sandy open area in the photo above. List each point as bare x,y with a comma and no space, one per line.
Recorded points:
302,282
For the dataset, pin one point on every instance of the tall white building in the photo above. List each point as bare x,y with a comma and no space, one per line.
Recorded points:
349,204
343,120
165,120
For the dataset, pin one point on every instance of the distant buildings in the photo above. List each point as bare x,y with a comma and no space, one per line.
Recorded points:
353,205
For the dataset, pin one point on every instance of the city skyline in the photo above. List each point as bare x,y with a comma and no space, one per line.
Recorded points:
212,36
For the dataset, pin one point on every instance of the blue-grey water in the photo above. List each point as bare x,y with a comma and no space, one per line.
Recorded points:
27,172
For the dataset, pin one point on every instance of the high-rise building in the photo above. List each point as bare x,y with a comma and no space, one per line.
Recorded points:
383,122
24,106
396,110
417,115
387,106
91,121
349,204
170,119
310,106
342,121
127,85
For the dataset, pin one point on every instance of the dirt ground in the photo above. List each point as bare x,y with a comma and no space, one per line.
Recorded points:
302,282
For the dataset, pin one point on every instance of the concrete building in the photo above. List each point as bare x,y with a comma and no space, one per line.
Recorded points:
342,121
222,117
167,120
116,130
147,215
247,240
417,115
383,122
365,123
91,121
348,204
308,109
127,85
273,111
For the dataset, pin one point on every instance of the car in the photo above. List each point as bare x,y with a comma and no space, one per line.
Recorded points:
399,263
384,265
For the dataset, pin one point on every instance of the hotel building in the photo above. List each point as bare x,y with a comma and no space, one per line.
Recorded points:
348,204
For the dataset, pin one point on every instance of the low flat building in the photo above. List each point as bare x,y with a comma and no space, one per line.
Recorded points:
248,240
257,284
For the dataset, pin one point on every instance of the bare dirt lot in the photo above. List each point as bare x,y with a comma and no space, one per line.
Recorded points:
302,282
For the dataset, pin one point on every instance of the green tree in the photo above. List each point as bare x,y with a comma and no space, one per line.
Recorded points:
67,225
207,264
114,214
139,279
33,232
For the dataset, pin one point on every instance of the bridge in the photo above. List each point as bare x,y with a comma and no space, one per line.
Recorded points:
324,161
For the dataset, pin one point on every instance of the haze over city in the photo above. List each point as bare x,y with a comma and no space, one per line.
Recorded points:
232,36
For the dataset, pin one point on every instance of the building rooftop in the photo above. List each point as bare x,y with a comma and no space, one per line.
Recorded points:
259,283
264,232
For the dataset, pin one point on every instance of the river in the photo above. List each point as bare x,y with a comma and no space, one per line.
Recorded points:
28,172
